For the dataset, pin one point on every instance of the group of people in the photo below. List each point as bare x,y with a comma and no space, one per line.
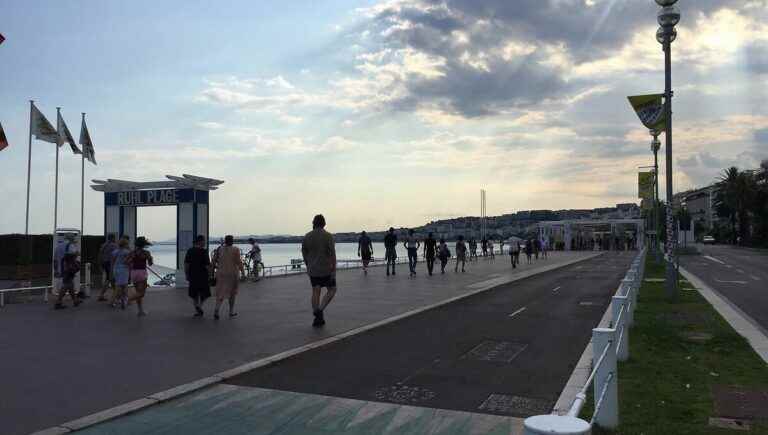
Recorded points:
433,249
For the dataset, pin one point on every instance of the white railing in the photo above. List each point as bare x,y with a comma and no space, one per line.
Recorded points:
612,345
84,285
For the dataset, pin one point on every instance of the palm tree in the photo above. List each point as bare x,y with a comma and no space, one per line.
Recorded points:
735,195
725,197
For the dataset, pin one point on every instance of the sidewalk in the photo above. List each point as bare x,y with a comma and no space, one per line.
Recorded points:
110,358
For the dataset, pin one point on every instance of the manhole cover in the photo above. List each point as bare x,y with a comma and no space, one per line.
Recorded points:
729,423
515,405
400,393
740,403
697,337
495,351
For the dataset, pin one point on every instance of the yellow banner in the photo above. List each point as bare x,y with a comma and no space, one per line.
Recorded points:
650,110
645,185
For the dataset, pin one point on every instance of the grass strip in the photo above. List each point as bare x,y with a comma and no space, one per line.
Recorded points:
679,351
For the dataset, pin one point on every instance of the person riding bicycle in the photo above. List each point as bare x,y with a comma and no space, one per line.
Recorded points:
255,256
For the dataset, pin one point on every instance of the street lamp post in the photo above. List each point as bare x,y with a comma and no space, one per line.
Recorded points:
655,145
668,17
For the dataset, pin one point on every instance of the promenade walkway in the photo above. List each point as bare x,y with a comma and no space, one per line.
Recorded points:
59,366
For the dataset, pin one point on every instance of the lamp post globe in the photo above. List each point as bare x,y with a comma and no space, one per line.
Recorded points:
662,33
668,16
664,3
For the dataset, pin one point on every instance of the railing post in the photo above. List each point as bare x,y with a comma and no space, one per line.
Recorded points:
607,416
631,294
88,279
621,326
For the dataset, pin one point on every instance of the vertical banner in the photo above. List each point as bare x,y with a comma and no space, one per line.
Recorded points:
645,185
650,110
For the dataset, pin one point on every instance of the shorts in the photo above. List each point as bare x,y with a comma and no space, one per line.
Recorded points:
107,268
328,281
139,275
391,254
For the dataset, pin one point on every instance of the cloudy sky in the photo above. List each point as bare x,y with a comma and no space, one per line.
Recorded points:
373,113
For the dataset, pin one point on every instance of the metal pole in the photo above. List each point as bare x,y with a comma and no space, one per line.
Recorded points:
82,195
656,198
29,166
55,207
671,273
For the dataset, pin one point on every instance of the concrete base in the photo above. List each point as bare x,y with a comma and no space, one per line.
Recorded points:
555,424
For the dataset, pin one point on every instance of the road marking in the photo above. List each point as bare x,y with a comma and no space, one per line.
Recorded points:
517,312
714,259
731,282
556,289
728,266
740,271
756,278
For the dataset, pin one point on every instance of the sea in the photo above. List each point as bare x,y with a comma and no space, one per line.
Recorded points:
273,254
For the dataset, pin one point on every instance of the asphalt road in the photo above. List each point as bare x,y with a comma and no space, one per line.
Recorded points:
738,274
509,351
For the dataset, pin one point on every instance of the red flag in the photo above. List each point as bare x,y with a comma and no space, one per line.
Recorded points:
3,140
1,38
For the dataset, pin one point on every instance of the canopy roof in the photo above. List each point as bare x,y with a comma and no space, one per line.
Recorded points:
186,181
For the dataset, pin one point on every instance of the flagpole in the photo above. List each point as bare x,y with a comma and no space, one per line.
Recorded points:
29,166
82,192
55,201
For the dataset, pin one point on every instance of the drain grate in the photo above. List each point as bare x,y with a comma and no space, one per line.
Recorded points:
400,393
495,351
515,405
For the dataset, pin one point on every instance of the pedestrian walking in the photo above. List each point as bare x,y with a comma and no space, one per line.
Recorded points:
390,249
430,250
544,248
528,250
138,260
365,250
197,268
412,246
491,249
461,254
513,246
105,261
472,249
319,252
483,246
121,272
228,268
536,248
443,253
254,255
68,268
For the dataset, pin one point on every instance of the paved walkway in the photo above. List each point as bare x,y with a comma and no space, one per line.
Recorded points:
58,366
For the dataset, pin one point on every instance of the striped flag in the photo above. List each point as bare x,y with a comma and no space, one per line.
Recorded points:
85,141
64,136
1,38
3,140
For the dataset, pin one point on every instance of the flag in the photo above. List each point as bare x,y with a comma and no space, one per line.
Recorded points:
65,136
1,38
650,110
41,128
3,140
85,141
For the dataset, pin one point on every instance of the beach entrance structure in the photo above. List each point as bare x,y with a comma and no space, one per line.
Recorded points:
188,193
569,232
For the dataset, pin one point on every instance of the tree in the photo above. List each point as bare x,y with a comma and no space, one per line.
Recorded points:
734,198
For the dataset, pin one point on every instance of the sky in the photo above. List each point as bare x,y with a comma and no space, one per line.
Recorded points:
374,113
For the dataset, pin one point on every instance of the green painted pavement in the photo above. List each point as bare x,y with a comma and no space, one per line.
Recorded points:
228,409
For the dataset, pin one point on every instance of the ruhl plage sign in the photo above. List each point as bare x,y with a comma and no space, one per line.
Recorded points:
148,197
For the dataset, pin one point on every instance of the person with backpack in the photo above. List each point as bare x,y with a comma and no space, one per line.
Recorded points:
443,253
69,268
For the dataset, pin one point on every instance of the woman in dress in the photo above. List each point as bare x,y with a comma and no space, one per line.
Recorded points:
121,273
138,260
229,268
197,268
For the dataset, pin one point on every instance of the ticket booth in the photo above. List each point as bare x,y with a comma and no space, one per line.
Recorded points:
189,194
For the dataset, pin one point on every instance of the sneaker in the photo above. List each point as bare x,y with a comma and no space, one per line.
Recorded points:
231,315
198,312
387,272
316,322
216,316
322,318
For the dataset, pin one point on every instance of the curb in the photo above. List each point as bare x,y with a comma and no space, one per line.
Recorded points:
190,387
740,321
